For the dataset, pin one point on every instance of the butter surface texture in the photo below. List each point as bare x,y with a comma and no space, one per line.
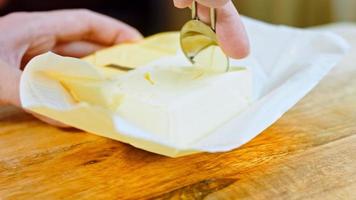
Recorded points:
180,104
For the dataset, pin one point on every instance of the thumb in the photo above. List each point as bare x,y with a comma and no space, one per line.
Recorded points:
10,91
231,32
9,84
182,3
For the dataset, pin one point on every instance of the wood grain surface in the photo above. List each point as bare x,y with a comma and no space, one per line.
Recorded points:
310,153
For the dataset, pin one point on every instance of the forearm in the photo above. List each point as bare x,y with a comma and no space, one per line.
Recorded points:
9,84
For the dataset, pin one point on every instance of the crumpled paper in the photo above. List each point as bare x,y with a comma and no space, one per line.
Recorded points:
286,63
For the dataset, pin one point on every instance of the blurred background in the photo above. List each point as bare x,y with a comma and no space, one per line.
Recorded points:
151,16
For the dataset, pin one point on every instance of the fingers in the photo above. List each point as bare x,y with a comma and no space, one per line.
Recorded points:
77,49
207,3
213,3
73,25
182,3
231,32
48,28
43,31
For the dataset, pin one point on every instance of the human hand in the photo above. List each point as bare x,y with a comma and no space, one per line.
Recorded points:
73,33
230,30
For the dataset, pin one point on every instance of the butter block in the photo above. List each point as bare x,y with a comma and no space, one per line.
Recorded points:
182,104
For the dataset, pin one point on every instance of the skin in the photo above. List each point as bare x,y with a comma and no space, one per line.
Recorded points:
73,33
230,30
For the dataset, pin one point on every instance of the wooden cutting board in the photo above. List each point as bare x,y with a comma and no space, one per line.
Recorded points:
310,153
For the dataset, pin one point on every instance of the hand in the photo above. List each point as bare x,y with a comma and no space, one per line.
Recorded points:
230,30
68,32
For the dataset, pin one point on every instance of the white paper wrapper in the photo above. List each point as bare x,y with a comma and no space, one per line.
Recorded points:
286,64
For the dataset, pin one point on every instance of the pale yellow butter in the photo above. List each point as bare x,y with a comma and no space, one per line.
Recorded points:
182,104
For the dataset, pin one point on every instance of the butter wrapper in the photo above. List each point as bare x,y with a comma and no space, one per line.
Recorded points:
164,106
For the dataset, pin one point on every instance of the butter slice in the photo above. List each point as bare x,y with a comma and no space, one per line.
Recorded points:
182,104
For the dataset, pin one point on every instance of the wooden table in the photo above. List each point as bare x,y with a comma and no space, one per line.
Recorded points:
310,153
